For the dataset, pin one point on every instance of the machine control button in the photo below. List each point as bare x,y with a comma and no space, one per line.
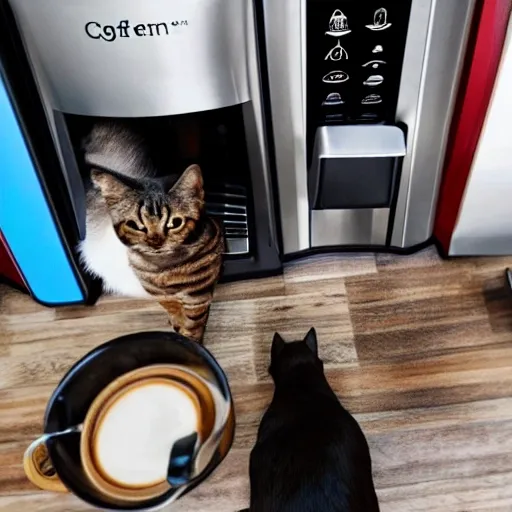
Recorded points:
374,64
337,53
335,77
333,99
380,20
373,80
372,99
338,24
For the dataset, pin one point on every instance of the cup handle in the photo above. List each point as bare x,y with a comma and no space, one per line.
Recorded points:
39,468
181,460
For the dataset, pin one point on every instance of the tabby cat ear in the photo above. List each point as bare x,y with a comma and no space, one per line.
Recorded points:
190,183
311,341
277,346
111,188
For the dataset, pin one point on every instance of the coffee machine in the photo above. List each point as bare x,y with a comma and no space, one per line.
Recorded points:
361,96
186,73
320,125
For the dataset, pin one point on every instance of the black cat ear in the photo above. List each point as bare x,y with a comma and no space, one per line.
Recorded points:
277,346
311,341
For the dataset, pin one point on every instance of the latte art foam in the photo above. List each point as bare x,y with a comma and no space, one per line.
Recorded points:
134,440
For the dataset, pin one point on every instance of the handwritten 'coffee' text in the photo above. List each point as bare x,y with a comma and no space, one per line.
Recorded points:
110,32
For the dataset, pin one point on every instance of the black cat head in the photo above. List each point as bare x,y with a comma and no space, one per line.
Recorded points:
286,357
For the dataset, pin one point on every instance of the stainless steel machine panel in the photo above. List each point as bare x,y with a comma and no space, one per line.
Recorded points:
436,43
360,141
431,38
126,58
349,227
285,29
351,183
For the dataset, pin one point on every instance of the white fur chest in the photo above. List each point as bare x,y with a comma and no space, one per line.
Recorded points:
105,256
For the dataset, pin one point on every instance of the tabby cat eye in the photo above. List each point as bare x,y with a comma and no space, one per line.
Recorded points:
176,223
133,225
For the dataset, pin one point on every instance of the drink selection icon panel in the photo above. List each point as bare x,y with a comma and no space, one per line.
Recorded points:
355,53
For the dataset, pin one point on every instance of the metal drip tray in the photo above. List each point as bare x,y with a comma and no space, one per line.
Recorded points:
229,207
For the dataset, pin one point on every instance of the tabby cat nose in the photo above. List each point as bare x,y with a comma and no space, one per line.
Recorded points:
155,240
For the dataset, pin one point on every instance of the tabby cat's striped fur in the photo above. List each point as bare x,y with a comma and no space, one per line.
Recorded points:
149,236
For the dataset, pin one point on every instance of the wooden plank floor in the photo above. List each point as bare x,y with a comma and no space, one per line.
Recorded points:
420,350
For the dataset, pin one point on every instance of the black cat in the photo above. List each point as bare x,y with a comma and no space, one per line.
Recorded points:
310,455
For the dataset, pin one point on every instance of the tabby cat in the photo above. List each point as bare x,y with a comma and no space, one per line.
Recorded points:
149,236
310,454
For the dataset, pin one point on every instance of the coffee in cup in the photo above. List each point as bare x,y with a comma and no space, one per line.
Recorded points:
133,436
